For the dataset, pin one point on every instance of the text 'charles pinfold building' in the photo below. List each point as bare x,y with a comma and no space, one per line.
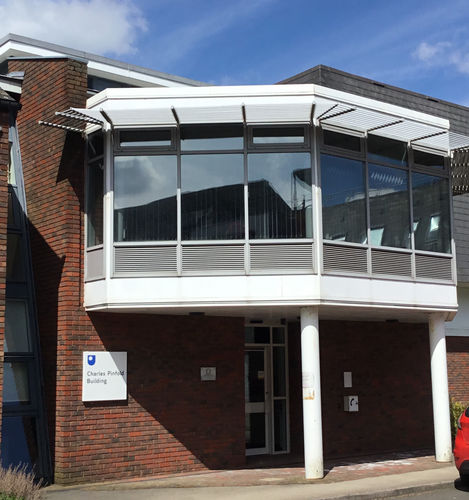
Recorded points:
222,272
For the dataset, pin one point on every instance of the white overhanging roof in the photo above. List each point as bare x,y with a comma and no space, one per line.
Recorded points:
269,104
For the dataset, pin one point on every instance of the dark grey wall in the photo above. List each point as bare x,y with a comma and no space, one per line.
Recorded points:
456,114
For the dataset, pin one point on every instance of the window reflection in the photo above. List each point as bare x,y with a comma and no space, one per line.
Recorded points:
389,207
431,213
15,268
19,442
387,150
211,137
212,202
343,199
15,383
16,326
280,195
95,204
145,198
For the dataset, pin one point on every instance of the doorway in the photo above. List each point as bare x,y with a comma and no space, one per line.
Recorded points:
266,390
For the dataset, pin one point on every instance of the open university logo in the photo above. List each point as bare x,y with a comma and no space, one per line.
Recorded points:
91,359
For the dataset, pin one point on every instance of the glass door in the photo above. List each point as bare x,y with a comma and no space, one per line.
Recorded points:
266,390
257,401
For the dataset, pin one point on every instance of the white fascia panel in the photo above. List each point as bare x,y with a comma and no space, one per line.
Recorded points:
129,76
212,292
16,49
388,293
207,291
459,327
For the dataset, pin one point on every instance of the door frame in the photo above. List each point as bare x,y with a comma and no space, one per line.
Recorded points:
269,449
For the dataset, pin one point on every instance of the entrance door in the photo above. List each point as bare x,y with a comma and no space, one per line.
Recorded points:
266,390
257,401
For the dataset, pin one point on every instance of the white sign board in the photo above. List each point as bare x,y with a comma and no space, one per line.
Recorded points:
104,376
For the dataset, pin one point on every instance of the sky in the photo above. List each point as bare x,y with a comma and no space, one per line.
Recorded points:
420,45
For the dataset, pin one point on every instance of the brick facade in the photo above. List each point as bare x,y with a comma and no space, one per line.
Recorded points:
172,421
4,160
457,349
390,365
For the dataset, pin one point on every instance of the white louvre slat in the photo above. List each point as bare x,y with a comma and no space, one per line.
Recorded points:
391,263
282,257
201,259
433,267
342,258
145,260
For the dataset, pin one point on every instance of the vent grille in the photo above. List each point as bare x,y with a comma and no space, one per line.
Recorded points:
433,267
146,260
199,259
282,257
94,264
343,258
391,263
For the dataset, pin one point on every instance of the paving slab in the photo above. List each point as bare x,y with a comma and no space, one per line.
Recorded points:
347,479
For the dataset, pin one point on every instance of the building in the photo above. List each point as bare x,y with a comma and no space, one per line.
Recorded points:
252,257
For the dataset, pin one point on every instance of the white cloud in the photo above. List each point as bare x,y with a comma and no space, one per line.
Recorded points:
99,26
444,54
427,52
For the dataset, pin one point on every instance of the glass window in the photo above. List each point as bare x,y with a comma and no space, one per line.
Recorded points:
278,135
280,195
278,359
389,206
257,335
280,425
428,159
95,145
343,141
19,442
145,138
13,209
431,213
16,326
145,198
95,204
11,167
343,199
212,201
387,150
15,267
211,137
278,335
15,383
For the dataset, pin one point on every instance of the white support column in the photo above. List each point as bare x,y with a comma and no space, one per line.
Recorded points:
310,367
441,420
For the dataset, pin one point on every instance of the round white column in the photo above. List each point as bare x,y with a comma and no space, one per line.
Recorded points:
441,420
310,367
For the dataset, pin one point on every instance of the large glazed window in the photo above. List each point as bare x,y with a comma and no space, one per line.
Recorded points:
95,203
431,213
343,199
279,195
389,207
212,201
145,198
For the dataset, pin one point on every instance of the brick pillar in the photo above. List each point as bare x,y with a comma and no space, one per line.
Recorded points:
53,175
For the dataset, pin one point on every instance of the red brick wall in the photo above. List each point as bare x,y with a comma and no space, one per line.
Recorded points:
172,421
4,159
457,349
390,365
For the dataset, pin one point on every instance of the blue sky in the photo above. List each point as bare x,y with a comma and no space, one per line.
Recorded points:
419,45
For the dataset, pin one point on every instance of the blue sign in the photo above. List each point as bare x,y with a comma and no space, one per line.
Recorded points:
91,359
